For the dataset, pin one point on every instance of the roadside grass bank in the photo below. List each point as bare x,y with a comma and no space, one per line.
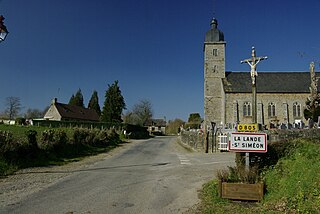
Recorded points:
292,185
30,146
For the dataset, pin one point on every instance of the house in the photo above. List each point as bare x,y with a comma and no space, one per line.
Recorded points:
65,112
281,96
156,126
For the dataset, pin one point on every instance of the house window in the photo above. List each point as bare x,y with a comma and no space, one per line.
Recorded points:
215,52
247,109
271,110
296,110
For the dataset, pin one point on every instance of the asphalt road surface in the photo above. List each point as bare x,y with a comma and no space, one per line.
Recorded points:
152,176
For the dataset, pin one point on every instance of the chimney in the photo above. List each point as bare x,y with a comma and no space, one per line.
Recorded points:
54,101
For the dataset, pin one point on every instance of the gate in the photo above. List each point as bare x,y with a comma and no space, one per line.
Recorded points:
223,139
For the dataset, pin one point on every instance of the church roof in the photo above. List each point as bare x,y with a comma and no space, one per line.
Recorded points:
268,82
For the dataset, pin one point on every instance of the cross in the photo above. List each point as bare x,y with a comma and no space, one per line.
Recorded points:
253,62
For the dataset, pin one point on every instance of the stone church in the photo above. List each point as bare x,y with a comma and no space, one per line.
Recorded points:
281,96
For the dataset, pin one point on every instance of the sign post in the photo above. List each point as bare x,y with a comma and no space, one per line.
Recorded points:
248,142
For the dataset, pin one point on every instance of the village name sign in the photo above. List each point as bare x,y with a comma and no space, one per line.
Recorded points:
248,142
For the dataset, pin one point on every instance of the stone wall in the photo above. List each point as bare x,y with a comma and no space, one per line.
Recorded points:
193,139
288,134
196,140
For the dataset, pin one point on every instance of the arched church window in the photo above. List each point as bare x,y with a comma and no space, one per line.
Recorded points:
296,110
271,110
247,109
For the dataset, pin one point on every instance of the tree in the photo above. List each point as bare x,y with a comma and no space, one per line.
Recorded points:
140,113
194,118
77,99
34,113
94,102
194,121
312,110
173,126
113,105
13,107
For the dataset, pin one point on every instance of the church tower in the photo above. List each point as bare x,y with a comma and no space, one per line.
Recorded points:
214,72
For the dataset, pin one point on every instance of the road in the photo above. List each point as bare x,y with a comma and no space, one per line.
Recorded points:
152,176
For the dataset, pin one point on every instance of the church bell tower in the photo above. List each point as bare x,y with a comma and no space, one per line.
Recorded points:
214,72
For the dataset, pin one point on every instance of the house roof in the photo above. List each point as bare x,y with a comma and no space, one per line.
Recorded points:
155,122
268,82
76,112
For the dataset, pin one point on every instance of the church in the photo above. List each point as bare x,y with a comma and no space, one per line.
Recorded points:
281,96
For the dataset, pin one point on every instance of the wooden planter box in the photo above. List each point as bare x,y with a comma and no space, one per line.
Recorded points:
241,191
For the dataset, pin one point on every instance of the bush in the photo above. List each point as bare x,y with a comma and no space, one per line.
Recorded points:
239,174
276,150
20,121
53,140
6,139
32,137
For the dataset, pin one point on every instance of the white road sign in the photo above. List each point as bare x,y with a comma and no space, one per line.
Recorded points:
248,142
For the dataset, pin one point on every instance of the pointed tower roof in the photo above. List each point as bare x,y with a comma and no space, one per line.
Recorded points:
214,34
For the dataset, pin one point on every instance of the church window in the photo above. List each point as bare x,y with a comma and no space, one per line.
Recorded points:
296,110
271,110
215,68
215,52
247,109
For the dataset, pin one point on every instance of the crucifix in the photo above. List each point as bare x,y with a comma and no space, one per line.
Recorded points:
253,62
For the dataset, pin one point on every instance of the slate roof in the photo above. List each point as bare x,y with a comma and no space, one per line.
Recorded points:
155,122
73,112
268,82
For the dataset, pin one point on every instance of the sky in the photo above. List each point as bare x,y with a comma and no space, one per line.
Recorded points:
154,48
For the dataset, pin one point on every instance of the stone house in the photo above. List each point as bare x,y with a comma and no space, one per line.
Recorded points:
156,126
65,112
281,96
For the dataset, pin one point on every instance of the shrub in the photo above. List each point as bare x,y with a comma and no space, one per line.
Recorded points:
6,141
32,137
79,136
53,140
20,121
239,174
102,138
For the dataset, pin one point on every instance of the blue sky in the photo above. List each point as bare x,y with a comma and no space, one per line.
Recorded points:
154,48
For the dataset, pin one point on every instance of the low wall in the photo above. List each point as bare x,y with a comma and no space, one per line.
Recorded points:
288,134
195,139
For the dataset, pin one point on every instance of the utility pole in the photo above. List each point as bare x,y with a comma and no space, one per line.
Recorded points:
253,62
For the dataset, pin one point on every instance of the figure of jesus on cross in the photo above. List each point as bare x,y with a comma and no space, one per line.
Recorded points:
253,62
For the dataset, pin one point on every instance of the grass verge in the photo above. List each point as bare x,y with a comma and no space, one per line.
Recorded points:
292,186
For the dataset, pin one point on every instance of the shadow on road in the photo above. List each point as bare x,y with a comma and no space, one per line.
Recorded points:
94,169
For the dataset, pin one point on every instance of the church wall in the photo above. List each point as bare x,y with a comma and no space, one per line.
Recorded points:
283,107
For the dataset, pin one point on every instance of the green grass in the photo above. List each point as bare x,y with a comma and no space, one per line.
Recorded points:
293,186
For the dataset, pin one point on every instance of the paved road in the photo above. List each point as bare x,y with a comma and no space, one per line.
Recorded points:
152,176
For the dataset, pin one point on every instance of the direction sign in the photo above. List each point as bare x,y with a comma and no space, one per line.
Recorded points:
248,127
248,142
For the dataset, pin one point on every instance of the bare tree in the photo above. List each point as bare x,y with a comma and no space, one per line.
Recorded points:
33,113
140,113
13,107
